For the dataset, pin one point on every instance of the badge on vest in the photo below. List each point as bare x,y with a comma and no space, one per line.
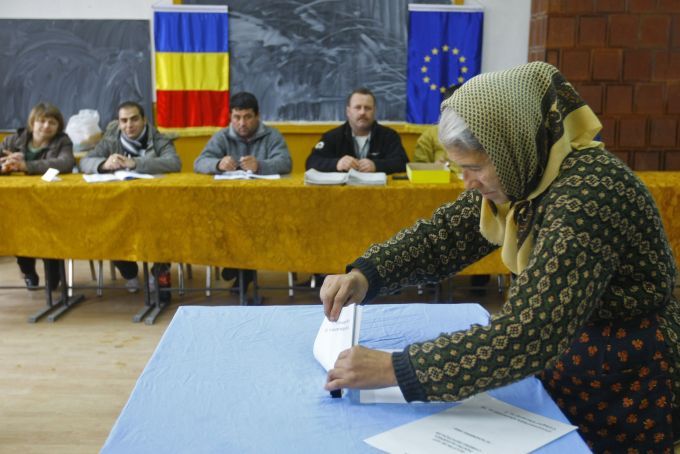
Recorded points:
319,145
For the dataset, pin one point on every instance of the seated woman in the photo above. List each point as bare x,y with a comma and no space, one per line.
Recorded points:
591,313
33,150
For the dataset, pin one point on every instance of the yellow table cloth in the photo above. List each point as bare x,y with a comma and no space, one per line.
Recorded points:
278,225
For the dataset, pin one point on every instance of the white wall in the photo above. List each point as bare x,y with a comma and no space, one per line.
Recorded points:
79,9
506,33
506,22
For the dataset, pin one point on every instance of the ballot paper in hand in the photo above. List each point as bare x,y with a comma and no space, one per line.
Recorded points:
334,337
481,424
245,175
118,175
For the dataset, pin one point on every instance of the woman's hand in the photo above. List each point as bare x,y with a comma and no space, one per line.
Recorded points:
361,368
341,289
12,162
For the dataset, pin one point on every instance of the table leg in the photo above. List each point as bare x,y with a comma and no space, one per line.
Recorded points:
139,316
66,302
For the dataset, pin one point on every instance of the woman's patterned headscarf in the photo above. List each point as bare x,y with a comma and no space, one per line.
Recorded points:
528,119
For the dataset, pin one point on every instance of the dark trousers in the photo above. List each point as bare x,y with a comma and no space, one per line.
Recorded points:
129,270
27,267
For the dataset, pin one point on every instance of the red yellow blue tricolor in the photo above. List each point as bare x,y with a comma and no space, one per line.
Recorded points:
192,68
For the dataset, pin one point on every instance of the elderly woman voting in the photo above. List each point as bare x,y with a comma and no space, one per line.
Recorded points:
591,311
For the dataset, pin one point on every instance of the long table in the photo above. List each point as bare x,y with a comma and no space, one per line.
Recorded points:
279,225
244,380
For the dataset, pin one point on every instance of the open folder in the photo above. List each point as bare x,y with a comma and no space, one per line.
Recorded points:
352,178
118,175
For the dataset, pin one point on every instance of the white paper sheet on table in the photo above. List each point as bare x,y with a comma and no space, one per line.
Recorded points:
51,175
481,425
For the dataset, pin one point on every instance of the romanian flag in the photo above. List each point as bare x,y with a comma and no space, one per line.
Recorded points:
444,48
192,68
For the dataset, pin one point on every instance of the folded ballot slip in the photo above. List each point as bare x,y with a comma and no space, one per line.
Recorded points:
51,175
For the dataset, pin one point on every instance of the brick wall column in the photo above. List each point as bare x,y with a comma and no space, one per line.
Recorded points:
623,57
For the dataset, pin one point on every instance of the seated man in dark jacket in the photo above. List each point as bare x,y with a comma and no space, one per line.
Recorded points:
360,143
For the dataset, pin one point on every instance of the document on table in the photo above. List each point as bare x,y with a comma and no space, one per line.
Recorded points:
480,425
353,177
118,175
245,175
313,176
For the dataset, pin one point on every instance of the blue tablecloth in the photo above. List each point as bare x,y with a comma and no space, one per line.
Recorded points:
244,380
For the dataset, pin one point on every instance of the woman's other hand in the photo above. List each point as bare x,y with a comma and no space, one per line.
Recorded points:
361,368
341,289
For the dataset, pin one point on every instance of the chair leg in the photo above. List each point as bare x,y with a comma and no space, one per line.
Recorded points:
208,280
190,272
93,273
69,277
291,283
180,278
312,281
100,278
502,282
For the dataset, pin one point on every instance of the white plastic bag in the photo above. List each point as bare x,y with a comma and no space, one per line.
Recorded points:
83,129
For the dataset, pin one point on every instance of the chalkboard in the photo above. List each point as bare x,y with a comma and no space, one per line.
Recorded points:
302,58
74,64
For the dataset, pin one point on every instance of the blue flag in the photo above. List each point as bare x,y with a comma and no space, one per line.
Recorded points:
444,48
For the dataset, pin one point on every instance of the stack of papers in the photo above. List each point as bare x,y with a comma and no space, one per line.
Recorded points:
245,175
118,175
367,178
353,177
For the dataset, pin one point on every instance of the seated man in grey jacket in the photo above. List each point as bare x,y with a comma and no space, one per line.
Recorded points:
134,144
247,144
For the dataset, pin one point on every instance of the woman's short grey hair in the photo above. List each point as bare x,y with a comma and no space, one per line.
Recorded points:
455,133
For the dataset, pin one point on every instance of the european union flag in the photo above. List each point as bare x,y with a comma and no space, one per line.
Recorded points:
444,48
